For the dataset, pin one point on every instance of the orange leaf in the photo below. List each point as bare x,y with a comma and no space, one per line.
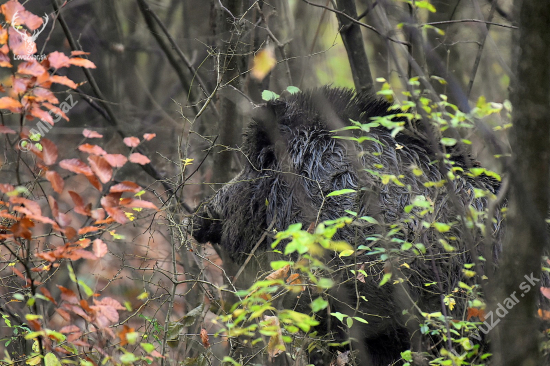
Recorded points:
79,53
49,151
75,166
116,160
125,186
55,180
117,214
47,294
131,141
33,207
133,203
69,329
101,168
88,229
204,338
544,314
82,62
10,104
91,134
31,67
279,274
44,95
100,248
6,188
64,314
475,312
23,17
42,114
58,60
55,110
94,181
149,136
68,295
139,159
92,149
20,46
63,80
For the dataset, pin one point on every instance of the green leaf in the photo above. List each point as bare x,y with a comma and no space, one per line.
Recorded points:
51,360
386,278
447,141
339,316
293,89
341,191
269,95
318,304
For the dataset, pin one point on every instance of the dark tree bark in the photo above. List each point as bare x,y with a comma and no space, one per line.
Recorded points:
229,126
516,339
353,41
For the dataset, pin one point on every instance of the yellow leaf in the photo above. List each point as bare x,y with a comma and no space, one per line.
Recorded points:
264,61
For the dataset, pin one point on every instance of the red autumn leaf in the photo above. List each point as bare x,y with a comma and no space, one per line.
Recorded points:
88,229
69,329
131,141
4,59
94,181
125,186
100,248
92,149
544,314
98,214
63,80
10,104
83,243
133,203
77,254
101,168
71,233
42,114
18,273
122,334
55,180
116,160
23,17
19,85
18,45
79,53
47,294
545,291
6,188
33,207
49,151
4,129
117,214
44,95
58,60
475,312
43,219
78,201
149,136
204,338
139,159
55,110
68,295
91,134
82,62
31,67
64,314
75,166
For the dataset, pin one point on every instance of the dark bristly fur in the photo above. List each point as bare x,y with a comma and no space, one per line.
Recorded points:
294,161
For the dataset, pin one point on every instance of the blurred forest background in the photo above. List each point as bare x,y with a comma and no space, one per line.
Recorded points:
183,71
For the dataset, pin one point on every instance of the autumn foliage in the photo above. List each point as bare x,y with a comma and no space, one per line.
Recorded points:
49,227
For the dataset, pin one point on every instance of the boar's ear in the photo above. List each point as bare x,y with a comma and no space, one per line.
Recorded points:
263,135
